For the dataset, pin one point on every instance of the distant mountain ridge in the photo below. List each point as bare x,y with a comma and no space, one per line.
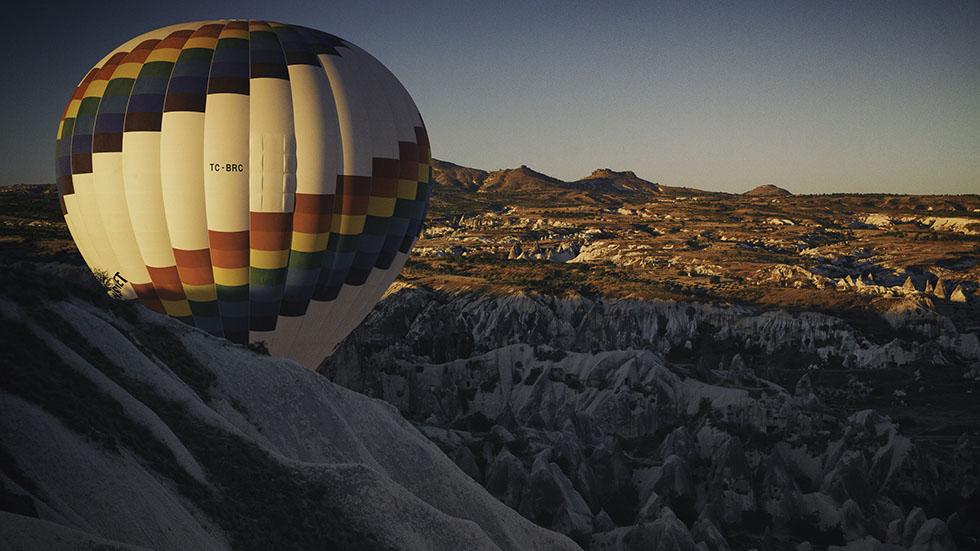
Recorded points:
602,181
524,178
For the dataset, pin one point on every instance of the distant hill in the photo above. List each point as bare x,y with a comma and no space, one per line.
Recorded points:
520,179
453,175
768,190
605,179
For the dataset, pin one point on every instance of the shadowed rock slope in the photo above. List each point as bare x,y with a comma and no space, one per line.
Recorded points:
631,424
122,429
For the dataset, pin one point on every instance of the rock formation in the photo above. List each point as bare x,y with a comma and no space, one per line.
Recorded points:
653,423
958,295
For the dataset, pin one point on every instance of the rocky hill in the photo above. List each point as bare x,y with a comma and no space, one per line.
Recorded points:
605,179
122,429
521,179
767,190
451,175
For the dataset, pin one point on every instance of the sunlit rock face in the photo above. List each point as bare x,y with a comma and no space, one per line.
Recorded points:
636,424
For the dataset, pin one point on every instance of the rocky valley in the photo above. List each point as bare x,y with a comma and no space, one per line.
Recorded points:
646,367
607,363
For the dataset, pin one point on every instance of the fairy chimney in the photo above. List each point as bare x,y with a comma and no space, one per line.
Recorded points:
909,285
958,294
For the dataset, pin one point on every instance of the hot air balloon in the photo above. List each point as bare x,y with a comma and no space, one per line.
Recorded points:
258,180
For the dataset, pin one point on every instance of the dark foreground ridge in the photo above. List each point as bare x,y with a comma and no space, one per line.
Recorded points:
122,429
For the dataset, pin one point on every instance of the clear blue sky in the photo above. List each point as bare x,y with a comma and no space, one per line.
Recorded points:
812,96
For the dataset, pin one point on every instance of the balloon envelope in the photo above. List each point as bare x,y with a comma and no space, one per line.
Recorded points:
259,180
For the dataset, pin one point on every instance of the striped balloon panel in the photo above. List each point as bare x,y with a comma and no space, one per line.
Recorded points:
382,276
83,180
182,176
227,191
420,205
361,286
66,189
357,301
383,126
257,180
107,166
354,186
410,167
272,175
317,166
348,150
142,176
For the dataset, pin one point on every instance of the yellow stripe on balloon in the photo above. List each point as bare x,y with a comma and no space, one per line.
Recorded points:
234,33
381,206
127,70
347,224
309,242
168,55
72,109
407,189
201,42
96,89
176,308
268,260
230,277
200,293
